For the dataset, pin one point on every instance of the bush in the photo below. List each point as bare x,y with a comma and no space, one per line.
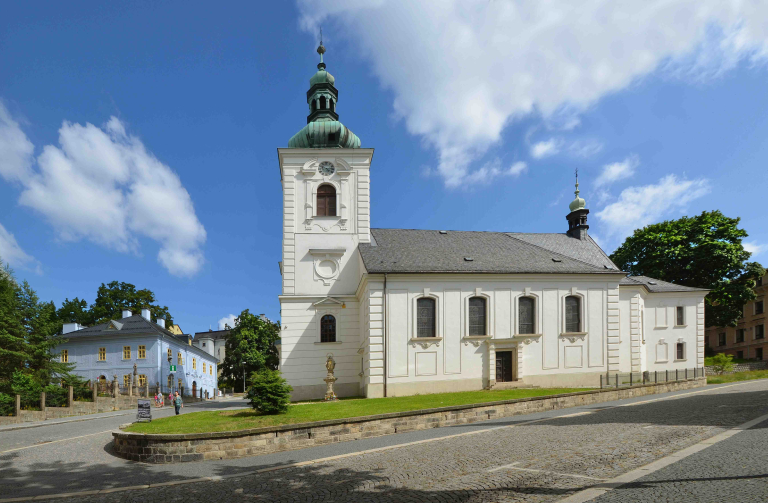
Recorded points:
29,389
56,396
722,363
7,404
269,392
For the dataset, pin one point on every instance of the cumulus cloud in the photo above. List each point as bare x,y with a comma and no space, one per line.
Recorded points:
617,171
460,71
492,170
227,320
637,207
542,149
101,184
11,253
754,248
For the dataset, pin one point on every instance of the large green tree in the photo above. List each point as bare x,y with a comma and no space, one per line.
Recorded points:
250,347
113,297
703,251
13,350
75,310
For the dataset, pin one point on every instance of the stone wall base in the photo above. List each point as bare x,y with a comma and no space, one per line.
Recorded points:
102,404
226,445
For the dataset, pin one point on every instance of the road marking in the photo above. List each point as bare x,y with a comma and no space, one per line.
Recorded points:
503,467
513,467
218,478
599,489
674,397
53,442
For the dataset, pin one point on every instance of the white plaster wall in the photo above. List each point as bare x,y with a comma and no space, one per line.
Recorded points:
659,320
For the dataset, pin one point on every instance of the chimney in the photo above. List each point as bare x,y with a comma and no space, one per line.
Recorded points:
127,313
71,327
146,314
161,322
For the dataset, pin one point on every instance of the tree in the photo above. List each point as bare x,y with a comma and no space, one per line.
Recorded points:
269,392
75,311
112,298
250,347
703,251
13,349
722,363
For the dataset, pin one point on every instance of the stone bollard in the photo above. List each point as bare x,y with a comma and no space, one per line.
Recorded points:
42,402
17,411
95,391
71,402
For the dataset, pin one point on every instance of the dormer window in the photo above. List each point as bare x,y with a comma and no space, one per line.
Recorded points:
326,201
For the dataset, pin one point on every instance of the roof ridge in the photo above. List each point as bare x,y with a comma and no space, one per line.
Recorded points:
557,253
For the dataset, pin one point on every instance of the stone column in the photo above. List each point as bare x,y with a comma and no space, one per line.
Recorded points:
95,391
42,402
71,402
17,411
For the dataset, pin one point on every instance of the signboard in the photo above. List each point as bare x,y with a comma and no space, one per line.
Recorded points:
144,411
173,368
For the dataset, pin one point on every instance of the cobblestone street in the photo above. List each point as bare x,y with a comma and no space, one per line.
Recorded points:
543,460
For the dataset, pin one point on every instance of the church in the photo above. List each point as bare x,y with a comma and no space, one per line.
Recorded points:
407,312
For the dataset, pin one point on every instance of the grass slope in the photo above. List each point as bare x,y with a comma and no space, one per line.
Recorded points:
200,422
738,376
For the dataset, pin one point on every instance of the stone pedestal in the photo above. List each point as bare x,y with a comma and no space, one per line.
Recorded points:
330,395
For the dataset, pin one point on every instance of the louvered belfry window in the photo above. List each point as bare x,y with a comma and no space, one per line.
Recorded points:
477,316
328,328
326,201
572,314
525,305
425,314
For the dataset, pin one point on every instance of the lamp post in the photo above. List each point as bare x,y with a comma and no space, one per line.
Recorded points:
169,373
243,378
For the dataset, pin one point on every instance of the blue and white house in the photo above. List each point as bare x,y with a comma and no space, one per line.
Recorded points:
113,348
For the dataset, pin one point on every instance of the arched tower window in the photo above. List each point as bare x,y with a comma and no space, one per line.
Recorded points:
477,325
526,319
572,314
425,317
333,105
314,105
322,102
326,201
328,328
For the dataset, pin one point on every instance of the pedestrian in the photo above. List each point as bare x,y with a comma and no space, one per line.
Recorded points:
178,403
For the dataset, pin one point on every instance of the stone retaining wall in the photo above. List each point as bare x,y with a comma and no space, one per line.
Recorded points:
739,367
225,445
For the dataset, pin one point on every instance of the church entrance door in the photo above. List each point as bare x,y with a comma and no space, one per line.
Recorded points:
504,366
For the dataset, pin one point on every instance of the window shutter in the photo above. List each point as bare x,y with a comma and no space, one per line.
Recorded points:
572,314
425,318
477,316
525,306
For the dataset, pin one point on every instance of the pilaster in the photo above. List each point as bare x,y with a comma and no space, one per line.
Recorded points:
614,330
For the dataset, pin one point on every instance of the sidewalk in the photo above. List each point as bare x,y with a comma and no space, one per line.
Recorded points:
100,415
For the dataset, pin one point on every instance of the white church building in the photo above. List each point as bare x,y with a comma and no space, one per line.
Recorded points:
407,312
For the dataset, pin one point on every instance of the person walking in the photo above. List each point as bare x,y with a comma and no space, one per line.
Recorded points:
178,403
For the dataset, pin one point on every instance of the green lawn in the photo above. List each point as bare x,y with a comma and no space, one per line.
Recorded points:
738,376
709,360
200,422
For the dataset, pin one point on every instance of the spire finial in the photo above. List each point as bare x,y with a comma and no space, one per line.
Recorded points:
321,50
577,182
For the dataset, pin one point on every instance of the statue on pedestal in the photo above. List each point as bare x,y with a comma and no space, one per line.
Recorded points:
330,364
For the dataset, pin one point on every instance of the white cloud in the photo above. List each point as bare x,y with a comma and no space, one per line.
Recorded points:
584,148
492,170
518,168
461,71
11,253
618,171
102,184
637,207
754,248
227,320
547,148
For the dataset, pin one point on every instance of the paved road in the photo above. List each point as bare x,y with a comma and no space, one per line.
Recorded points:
536,458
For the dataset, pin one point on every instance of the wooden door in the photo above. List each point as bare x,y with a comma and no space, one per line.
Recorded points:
504,371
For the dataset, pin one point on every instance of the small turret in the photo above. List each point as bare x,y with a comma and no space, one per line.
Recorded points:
577,218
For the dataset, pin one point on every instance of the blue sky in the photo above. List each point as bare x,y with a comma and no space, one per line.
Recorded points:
138,142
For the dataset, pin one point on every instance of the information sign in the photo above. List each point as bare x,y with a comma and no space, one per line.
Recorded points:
173,368
144,411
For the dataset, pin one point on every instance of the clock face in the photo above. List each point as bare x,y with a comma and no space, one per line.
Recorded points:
326,168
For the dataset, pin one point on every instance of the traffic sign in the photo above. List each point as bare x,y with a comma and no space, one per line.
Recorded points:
173,368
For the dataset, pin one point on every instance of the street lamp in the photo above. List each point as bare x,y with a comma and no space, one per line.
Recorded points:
169,374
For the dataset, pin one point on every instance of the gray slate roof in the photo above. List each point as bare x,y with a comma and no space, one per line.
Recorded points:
212,334
658,286
135,324
428,251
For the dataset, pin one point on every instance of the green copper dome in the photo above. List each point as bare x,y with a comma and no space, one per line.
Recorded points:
323,129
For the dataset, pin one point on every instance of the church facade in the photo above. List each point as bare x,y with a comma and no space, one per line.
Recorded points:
408,312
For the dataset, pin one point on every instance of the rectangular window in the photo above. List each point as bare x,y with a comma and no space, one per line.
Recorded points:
721,339
572,314
681,351
758,353
759,309
170,354
740,335
203,367
126,352
526,317
210,369
680,316
64,356
194,364
142,380
740,355
142,352
759,281
759,331
477,316
425,317
179,384
102,354
179,359
126,380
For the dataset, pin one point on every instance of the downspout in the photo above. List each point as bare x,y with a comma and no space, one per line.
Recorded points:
384,323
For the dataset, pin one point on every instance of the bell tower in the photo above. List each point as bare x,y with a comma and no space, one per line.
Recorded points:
577,218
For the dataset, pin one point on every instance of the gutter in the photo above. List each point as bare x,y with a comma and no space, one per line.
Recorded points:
384,339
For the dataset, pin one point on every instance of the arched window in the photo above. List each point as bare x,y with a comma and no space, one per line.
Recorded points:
477,325
526,318
572,314
322,102
326,201
328,328
425,317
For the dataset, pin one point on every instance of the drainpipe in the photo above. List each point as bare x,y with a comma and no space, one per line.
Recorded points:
384,324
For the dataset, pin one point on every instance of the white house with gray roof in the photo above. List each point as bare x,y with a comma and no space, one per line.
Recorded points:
407,311
102,351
